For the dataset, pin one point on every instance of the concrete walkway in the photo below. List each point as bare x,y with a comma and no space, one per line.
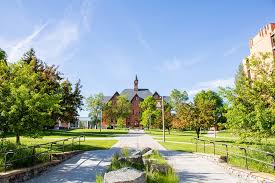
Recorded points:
85,167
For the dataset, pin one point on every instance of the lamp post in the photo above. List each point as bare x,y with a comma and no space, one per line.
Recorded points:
163,125
101,120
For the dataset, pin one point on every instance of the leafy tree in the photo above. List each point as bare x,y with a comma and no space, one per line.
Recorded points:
168,117
122,107
149,111
251,103
121,123
71,102
30,106
3,56
4,93
95,105
109,113
203,112
177,98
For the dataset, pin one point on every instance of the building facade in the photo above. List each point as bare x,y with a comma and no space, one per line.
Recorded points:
262,42
135,96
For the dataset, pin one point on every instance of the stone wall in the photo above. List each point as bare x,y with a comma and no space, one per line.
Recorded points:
244,175
25,174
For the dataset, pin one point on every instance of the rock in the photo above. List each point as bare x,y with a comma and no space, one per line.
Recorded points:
150,152
133,159
125,175
222,159
136,153
137,159
162,168
145,150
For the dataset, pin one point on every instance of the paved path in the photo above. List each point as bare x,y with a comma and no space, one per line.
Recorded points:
84,167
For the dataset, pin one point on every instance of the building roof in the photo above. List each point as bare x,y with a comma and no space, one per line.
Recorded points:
142,93
106,99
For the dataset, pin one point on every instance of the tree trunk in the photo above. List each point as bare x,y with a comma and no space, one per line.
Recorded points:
198,132
17,139
169,131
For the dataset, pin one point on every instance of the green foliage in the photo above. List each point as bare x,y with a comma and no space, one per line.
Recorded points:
71,102
177,98
3,56
149,111
251,108
32,97
204,112
155,177
99,179
122,108
95,105
118,110
120,123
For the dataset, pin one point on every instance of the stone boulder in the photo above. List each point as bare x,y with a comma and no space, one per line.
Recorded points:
145,150
136,153
125,175
222,159
161,168
133,159
148,153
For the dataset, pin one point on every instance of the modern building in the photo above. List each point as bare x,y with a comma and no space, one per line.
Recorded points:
262,42
82,122
135,96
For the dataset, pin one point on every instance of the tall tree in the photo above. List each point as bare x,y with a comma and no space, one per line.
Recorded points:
4,96
149,111
177,98
203,112
3,56
251,103
71,102
95,105
122,107
31,106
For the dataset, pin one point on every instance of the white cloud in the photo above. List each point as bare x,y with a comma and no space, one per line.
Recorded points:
86,14
53,42
177,64
211,85
232,50
16,48
169,66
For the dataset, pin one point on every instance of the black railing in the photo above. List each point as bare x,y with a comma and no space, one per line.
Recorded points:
47,149
248,154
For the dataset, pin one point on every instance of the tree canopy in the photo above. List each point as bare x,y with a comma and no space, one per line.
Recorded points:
33,96
251,103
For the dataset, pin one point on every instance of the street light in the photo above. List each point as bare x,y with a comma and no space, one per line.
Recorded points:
161,105
163,126
101,120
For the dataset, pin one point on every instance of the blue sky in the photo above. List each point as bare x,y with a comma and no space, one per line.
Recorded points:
188,45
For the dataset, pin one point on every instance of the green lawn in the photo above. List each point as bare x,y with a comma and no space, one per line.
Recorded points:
51,136
184,141
87,132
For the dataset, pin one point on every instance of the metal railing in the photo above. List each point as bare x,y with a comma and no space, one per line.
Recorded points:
248,154
47,149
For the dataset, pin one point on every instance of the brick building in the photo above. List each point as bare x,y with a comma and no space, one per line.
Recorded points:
262,42
135,97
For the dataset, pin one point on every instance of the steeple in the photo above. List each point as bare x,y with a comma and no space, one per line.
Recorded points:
136,84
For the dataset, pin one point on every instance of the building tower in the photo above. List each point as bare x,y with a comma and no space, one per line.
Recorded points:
136,84
262,42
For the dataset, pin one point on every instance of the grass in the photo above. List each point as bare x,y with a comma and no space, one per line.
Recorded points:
152,177
184,141
24,150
